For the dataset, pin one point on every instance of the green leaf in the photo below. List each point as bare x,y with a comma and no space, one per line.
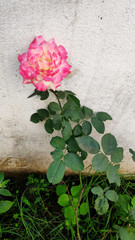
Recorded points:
74,220
74,162
33,94
57,142
73,100
5,192
117,155
49,126
56,171
25,201
123,203
112,175
77,130
76,191
72,146
69,92
100,162
57,121
64,200
97,190
60,94
43,95
74,202
84,208
126,234
133,158
68,108
69,213
75,114
60,189
67,223
109,143
131,151
83,155
101,205
67,130
43,113
88,144
111,195
86,127
87,111
57,154
5,206
133,201
103,116
50,111
72,108
35,118
98,125
3,184
112,238
54,106
132,215
1,176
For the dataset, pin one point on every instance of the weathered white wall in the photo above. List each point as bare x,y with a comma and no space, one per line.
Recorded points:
99,36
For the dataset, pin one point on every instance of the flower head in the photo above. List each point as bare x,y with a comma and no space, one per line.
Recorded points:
44,64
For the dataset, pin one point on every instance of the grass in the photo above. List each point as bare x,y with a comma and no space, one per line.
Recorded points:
37,215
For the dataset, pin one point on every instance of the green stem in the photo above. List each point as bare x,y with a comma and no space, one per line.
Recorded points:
80,176
76,213
78,233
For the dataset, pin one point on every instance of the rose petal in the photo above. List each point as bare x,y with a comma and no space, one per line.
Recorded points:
36,42
63,52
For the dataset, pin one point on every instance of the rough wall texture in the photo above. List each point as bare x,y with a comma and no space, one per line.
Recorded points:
99,36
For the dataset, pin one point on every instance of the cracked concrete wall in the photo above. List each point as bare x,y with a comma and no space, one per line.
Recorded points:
99,36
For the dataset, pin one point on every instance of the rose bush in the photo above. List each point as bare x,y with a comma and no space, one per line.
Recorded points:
44,64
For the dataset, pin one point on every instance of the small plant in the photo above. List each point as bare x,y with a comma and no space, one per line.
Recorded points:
72,208
101,203
37,186
5,205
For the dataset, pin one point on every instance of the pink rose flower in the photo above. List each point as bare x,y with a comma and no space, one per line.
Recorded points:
44,64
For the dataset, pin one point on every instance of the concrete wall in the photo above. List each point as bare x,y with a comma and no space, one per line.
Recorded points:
99,36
